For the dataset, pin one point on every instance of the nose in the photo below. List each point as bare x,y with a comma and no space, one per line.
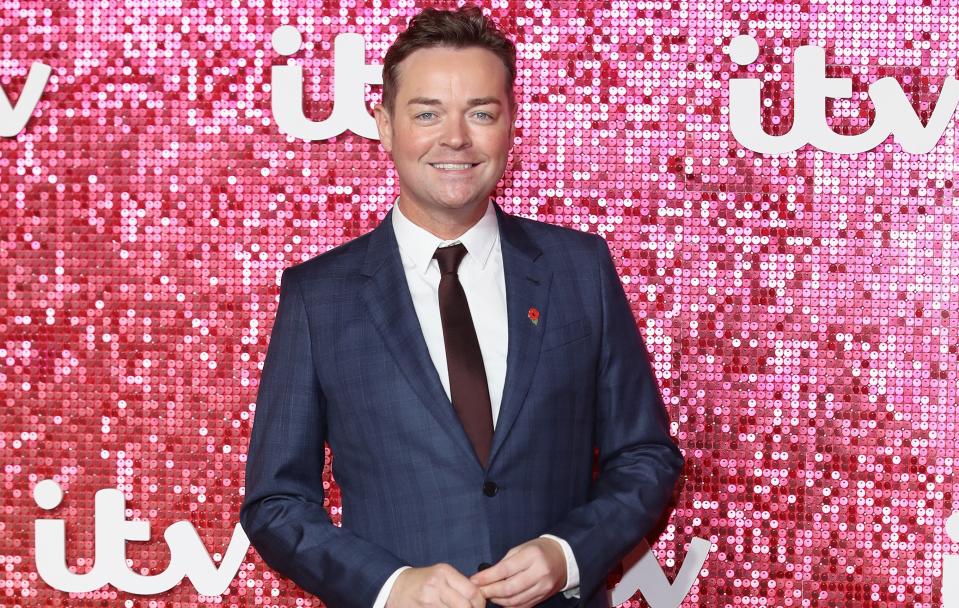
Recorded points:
456,133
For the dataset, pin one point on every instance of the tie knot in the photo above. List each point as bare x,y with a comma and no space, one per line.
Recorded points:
449,258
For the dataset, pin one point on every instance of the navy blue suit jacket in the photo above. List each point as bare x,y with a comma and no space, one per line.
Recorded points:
347,364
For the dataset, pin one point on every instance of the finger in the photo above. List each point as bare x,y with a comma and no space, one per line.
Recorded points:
451,598
526,599
485,577
510,588
470,593
490,575
514,561
479,601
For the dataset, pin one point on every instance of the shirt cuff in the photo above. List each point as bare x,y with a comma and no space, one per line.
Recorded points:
572,570
387,587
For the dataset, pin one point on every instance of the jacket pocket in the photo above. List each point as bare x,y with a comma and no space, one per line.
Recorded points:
565,334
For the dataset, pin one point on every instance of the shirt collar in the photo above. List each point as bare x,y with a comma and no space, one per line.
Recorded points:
417,244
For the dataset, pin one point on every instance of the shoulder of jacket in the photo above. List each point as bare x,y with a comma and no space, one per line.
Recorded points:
341,261
551,236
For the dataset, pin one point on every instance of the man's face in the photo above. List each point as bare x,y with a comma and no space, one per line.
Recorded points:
450,131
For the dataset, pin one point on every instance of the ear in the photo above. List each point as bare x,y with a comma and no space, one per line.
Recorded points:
512,125
384,125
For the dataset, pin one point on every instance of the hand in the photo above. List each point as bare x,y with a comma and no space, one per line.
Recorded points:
437,586
526,576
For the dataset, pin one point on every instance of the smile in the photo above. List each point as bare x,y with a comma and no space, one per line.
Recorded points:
453,166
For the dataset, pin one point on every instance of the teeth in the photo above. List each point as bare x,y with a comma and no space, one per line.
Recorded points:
452,166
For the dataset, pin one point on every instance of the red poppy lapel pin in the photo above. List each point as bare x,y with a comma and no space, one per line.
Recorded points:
533,315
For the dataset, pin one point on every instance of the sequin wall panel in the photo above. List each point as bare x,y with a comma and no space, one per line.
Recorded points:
801,307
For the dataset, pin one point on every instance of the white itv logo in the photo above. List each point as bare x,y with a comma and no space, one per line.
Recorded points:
14,118
112,530
351,74
189,557
894,115
647,577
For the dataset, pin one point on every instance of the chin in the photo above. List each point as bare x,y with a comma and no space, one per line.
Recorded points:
456,202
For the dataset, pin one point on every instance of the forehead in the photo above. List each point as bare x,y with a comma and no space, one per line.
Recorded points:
444,72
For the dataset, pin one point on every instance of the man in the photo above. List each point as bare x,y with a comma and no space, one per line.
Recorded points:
463,364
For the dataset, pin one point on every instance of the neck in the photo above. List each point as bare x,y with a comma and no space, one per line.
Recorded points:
447,226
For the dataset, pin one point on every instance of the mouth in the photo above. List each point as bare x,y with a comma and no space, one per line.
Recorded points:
453,166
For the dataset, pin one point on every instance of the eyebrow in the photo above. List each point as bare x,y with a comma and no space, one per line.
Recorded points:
476,101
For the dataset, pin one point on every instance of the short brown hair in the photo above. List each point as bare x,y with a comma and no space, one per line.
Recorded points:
460,28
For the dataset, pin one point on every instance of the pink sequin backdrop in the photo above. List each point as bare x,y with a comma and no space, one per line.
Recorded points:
802,308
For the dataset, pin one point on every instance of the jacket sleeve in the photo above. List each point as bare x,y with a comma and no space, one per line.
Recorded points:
639,461
282,512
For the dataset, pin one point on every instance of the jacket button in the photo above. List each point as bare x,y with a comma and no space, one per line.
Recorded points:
490,488
484,566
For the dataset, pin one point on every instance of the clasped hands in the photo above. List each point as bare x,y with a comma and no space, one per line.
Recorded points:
528,574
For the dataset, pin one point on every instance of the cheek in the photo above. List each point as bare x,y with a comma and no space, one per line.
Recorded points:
500,144
410,148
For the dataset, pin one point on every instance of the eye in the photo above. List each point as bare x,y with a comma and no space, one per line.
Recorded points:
423,116
486,116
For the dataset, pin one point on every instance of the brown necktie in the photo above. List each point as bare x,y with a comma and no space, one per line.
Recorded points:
468,388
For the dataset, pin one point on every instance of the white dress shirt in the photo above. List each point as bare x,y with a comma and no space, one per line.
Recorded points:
483,280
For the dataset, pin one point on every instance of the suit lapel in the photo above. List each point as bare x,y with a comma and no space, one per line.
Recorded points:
527,287
387,296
